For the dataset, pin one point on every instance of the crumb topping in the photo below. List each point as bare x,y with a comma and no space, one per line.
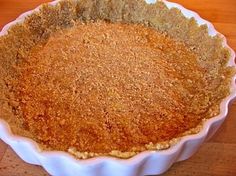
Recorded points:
109,86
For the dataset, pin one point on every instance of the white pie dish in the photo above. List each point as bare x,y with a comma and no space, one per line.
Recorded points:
145,163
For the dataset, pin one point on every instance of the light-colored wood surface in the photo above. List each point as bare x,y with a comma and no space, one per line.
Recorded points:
216,157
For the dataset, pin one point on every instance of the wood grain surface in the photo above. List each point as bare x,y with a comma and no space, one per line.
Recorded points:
216,157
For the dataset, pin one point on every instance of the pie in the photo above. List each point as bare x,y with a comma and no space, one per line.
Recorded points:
110,77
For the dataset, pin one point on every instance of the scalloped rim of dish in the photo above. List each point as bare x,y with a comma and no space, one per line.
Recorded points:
7,136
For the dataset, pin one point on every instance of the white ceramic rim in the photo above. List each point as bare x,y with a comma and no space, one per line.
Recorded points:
8,137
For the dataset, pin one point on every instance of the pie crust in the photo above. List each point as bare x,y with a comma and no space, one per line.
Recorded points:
192,77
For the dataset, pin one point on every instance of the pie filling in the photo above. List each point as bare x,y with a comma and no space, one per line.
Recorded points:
99,87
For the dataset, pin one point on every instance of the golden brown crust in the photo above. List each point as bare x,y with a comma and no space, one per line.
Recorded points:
212,87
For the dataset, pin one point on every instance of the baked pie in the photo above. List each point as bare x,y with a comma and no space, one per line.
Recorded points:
110,77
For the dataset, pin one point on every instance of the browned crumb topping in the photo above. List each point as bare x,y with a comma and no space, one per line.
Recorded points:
109,86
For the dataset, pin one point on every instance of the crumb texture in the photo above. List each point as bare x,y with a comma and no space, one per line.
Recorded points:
100,86
101,78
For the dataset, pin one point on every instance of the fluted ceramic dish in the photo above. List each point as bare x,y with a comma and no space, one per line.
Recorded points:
145,163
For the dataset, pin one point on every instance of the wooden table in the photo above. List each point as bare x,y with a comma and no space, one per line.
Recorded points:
216,157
